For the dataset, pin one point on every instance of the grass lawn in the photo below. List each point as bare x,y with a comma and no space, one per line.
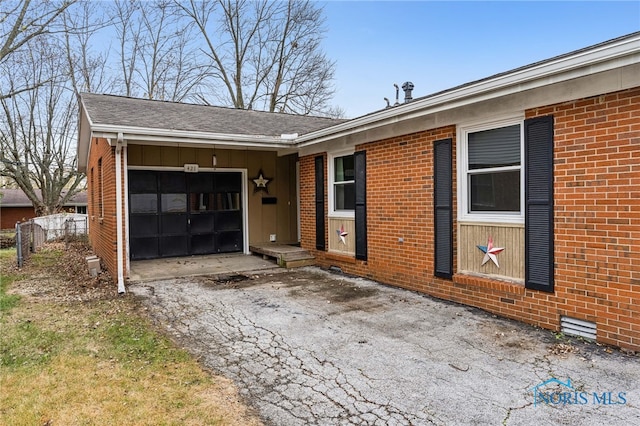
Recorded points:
73,352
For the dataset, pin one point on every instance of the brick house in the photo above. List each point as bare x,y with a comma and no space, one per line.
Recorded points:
517,193
169,179
15,206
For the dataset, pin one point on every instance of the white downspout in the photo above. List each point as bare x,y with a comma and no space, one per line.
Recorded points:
119,242
125,154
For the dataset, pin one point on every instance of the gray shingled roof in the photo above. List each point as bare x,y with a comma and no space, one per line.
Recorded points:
17,198
122,111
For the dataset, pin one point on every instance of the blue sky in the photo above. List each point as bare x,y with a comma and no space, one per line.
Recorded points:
438,45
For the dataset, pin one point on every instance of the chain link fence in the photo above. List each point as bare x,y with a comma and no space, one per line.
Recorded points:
32,234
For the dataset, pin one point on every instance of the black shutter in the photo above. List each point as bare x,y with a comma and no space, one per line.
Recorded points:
443,211
320,226
360,165
538,213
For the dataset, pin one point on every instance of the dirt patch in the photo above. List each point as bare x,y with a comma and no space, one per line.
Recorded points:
65,279
226,281
332,292
327,286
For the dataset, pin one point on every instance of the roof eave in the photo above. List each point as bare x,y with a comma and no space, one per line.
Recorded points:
84,138
154,135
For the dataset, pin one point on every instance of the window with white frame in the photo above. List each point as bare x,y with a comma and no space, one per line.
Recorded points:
492,181
100,190
342,184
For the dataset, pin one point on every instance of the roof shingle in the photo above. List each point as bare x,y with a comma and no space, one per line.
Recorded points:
142,113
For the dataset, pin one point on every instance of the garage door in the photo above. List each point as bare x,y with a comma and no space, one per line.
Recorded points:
180,214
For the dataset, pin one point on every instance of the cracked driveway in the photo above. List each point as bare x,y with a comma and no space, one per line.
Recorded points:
311,347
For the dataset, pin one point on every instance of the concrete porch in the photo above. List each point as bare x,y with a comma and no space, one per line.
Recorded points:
213,264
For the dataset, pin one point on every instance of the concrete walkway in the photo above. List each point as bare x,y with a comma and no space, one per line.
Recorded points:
307,347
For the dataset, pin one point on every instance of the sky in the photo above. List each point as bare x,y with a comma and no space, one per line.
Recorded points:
439,45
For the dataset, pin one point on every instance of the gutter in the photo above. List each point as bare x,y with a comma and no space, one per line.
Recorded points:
146,134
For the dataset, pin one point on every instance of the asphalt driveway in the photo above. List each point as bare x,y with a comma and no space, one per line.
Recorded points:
311,347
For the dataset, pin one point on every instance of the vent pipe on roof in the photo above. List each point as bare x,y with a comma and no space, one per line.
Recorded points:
407,87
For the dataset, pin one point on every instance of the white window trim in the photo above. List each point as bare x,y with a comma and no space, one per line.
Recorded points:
330,172
101,189
462,165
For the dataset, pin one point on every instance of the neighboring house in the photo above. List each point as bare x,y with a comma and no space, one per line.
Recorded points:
517,194
16,207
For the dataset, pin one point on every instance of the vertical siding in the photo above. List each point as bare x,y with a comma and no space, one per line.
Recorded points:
335,243
511,260
264,219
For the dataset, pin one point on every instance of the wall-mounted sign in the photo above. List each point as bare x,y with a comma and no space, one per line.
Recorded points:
191,168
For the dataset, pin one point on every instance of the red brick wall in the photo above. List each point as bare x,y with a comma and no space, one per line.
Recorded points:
102,230
10,215
597,230
597,213
399,205
308,202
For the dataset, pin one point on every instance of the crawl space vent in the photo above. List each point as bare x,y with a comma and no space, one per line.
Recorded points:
576,327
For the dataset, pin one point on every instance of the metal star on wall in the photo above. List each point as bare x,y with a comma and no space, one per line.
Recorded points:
261,183
342,234
490,252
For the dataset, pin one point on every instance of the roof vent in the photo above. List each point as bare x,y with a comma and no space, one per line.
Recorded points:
577,327
407,87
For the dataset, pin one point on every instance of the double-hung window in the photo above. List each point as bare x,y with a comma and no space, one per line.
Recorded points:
492,180
342,175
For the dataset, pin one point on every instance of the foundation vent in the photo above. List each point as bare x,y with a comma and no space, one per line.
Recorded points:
577,327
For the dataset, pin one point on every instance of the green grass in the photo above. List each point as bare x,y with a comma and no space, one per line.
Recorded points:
97,362
132,341
7,301
26,345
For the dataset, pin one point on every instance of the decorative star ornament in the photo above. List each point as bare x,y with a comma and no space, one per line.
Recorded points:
261,183
490,252
342,234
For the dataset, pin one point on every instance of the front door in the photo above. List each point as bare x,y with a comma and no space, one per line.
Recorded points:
179,214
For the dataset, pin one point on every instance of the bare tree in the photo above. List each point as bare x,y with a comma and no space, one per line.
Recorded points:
265,54
169,68
87,67
38,126
23,21
157,51
128,35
